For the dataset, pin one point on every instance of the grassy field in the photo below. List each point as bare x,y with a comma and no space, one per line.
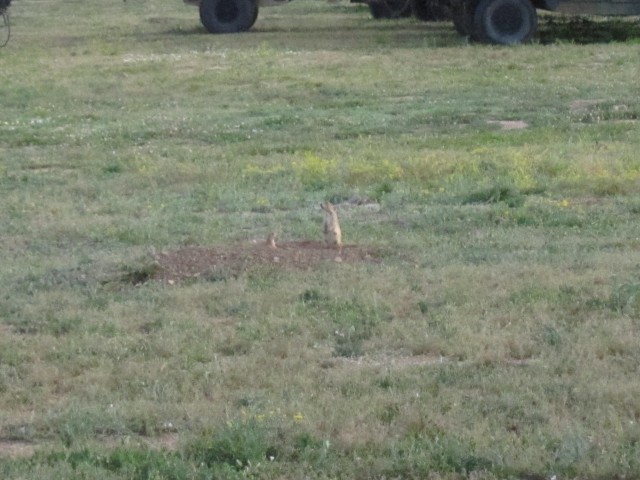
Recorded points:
484,321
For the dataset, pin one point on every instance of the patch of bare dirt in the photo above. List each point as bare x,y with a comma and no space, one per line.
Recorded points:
16,449
391,361
584,105
509,124
164,441
400,361
218,263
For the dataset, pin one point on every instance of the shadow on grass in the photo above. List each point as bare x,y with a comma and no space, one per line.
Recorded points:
552,29
586,30
394,33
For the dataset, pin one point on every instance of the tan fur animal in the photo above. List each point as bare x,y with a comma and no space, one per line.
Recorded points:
331,227
271,240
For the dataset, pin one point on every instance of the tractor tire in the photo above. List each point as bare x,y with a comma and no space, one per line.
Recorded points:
504,22
385,9
228,16
430,10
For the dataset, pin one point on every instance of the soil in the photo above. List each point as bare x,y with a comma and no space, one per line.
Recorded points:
509,124
584,105
16,449
219,263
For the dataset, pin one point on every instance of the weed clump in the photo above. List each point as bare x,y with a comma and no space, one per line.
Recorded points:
418,456
238,445
496,194
625,299
352,321
139,275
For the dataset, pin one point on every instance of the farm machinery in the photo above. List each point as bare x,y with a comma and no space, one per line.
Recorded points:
502,22
232,16
509,22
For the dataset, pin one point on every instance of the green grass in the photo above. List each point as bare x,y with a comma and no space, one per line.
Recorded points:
497,337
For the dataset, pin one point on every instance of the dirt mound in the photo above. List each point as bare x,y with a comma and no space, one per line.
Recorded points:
219,263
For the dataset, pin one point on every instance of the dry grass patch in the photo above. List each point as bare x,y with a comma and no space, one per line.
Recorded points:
481,322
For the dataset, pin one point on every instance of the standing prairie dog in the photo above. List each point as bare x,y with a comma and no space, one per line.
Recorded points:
271,240
331,228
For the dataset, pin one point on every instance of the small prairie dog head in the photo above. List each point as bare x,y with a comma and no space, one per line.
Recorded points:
328,207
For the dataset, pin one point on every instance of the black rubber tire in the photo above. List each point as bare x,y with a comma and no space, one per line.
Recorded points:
390,9
430,10
228,16
504,22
